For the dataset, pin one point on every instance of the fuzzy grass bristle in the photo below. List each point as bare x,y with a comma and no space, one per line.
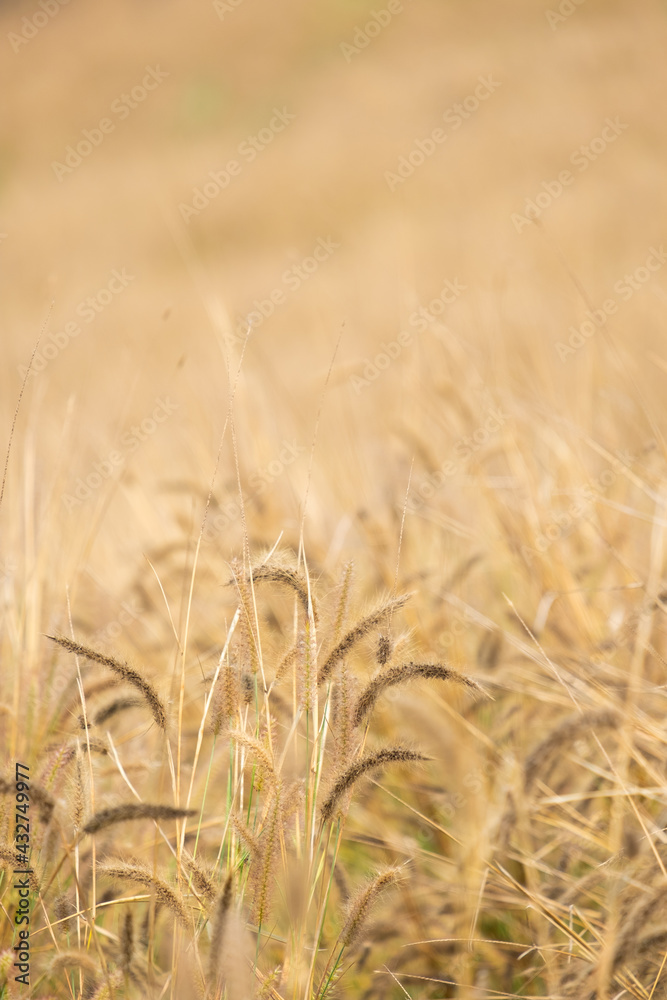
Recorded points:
10,860
130,811
141,874
122,671
221,908
362,900
127,941
369,762
362,628
403,674
201,878
114,708
270,573
383,650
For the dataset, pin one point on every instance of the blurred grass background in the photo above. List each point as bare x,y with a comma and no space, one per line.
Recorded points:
170,332
511,531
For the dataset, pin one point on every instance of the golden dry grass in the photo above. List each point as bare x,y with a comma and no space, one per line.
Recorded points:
221,522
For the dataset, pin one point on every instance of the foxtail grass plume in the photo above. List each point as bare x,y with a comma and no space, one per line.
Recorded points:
132,871
133,811
401,675
220,914
289,578
371,761
362,901
363,627
121,670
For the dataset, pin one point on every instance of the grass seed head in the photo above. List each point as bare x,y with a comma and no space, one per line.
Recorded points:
133,811
369,762
383,650
401,675
122,671
114,708
127,940
363,627
362,901
221,908
133,871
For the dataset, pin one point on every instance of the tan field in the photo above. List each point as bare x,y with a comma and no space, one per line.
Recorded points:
333,405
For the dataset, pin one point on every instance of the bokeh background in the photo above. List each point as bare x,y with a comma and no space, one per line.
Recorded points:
419,324
358,99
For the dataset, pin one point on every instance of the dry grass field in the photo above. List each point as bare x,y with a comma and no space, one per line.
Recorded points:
332,533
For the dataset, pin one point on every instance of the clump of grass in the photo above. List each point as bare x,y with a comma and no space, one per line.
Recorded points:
108,990
343,600
96,746
249,648
286,662
342,712
358,908
79,786
278,772
247,837
122,671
